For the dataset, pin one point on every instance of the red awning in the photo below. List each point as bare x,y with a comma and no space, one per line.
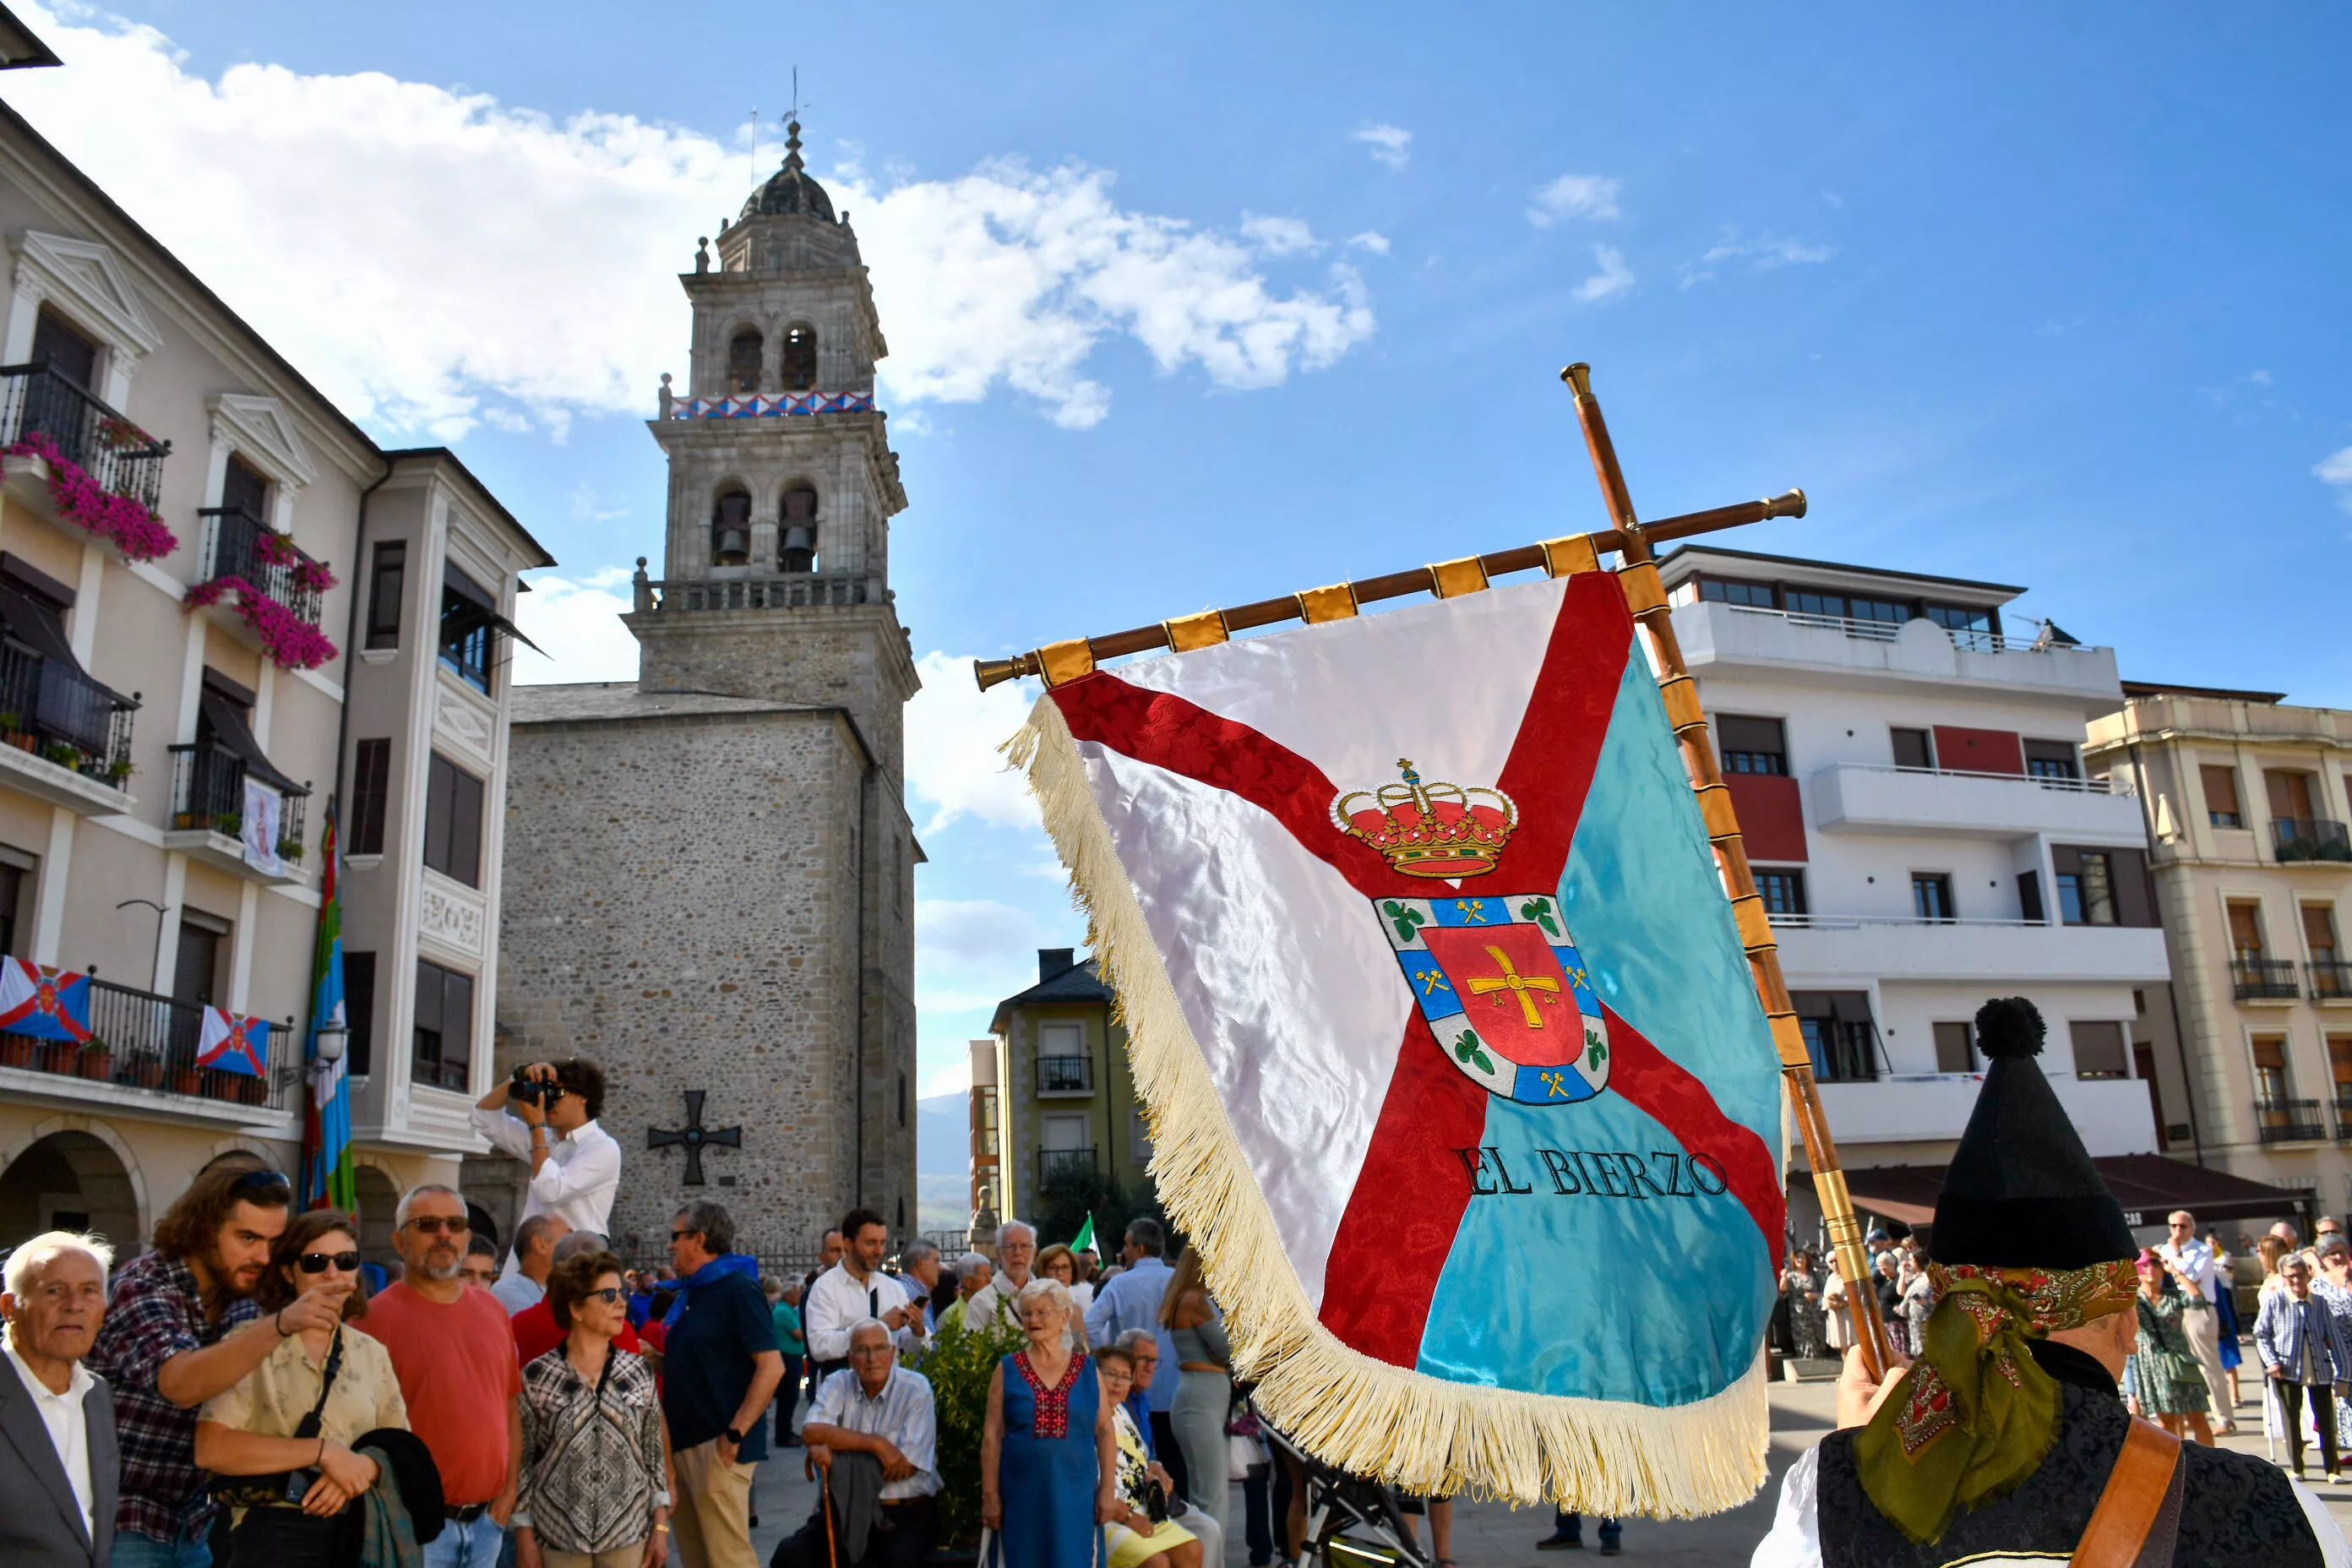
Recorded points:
2149,1186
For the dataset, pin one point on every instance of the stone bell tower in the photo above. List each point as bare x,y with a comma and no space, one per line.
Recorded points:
781,481
710,871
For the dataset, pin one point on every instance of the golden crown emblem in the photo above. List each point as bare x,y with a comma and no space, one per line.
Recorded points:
1431,829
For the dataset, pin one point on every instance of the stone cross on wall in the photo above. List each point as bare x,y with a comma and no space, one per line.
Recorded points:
694,1136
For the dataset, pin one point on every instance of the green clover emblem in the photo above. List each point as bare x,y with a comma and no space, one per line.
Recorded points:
1405,917
1540,912
1468,1047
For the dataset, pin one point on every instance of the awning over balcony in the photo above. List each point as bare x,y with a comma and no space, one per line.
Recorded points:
475,609
2150,1186
226,720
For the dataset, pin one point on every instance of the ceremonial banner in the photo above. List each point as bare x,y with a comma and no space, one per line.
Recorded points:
233,1042
1454,1064
47,1003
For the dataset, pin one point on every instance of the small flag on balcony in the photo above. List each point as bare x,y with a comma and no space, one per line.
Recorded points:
1457,1070
47,1003
232,1042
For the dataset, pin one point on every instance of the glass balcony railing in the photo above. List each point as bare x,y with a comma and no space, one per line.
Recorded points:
2297,838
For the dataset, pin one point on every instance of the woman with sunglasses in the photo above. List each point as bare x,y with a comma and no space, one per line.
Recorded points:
288,1427
595,1490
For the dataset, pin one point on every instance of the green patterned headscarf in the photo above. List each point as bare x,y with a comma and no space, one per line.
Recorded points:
1976,1415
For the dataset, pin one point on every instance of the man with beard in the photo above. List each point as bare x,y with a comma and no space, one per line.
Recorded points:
454,1351
180,1327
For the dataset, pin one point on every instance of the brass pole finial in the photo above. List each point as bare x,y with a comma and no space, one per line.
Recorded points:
1579,377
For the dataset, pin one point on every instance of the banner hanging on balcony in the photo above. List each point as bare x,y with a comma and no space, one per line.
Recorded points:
233,1042
1455,1064
46,1004
264,806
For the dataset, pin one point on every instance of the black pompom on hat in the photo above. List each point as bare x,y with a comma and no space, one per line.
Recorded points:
2021,1192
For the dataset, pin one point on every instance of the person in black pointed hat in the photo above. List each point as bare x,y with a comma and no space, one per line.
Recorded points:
2005,1437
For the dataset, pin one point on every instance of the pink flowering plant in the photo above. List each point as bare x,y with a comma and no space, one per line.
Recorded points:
134,529
273,549
291,642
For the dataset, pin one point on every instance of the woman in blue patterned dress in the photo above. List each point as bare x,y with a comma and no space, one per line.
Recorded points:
1049,1451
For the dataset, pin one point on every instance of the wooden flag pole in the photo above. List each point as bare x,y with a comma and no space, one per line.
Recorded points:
1647,596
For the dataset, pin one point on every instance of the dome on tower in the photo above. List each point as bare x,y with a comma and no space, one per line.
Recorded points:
792,190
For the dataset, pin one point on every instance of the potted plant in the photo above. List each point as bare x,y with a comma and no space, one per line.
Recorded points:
57,1055
63,754
187,1080
146,1072
119,769
290,850
18,1050
228,824
95,1061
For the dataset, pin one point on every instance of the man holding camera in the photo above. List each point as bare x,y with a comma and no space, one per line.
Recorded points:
546,1115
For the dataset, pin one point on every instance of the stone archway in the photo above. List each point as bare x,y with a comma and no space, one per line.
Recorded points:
69,1181
378,1197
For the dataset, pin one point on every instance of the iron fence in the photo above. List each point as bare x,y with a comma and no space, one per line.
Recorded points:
149,1042
239,544
117,454
2288,1122
208,791
55,711
2258,978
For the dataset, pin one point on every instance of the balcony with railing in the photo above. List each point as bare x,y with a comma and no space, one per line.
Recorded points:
1916,651
239,544
2329,981
1873,798
1063,1165
63,736
2301,839
791,591
1878,947
2264,979
2344,1112
2288,1122
115,453
208,800
143,1049
1068,1075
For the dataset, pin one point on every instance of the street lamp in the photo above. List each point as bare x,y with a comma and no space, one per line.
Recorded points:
328,1044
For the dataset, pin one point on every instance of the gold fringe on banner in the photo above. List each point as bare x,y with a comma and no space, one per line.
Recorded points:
1421,1434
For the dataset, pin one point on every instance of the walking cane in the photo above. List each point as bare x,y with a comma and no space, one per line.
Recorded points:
825,1487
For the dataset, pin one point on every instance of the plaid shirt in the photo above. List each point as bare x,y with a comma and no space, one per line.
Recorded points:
157,1311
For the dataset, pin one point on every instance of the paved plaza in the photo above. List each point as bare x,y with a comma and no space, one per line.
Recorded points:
1496,1535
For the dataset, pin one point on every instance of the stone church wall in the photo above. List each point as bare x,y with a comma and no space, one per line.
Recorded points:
679,906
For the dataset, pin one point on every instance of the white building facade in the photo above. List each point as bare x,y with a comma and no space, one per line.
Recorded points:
1909,782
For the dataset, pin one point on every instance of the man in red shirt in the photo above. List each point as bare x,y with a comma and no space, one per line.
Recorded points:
535,1332
454,1351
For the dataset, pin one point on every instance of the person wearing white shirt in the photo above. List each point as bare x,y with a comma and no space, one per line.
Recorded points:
58,1462
1016,1252
852,1290
575,1164
878,1408
2193,1264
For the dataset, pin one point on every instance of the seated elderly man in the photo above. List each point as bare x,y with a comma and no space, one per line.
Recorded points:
872,1430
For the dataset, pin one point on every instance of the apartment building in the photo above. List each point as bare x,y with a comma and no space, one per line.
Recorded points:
984,1124
1908,775
1060,1087
2248,799
221,605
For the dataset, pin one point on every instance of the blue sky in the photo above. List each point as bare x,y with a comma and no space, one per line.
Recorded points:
2056,300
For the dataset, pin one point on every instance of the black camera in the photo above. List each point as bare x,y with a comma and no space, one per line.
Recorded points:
540,1092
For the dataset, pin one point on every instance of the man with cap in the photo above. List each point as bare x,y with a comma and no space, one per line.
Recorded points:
2005,1440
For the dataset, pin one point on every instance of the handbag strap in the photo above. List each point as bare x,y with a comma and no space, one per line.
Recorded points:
311,1423
2133,1500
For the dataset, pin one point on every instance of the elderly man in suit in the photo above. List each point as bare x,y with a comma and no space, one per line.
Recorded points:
57,1457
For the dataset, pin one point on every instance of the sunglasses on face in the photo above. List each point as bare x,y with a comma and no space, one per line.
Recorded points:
434,1225
320,1262
610,1295
678,1235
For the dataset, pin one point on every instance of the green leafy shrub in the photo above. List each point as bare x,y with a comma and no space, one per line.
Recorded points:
959,1364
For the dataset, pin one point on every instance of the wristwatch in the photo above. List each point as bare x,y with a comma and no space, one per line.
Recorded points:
734,1436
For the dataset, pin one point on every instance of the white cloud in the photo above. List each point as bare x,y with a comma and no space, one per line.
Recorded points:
1012,277
2335,468
2258,377
1573,197
1280,235
953,1078
971,953
1614,278
953,730
577,621
1762,254
1390,144
435,258
1372,239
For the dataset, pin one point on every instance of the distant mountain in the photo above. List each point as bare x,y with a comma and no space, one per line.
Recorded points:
943,1135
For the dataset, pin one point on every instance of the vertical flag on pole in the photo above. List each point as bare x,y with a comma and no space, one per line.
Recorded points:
326,1178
